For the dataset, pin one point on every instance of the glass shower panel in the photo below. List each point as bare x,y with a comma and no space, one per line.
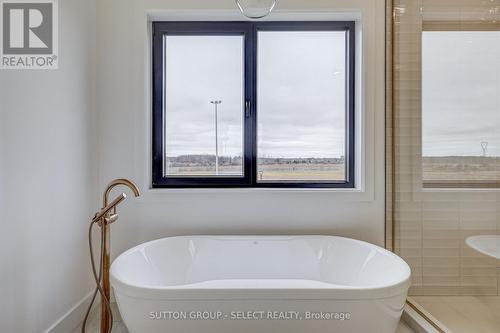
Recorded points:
444,152
460,98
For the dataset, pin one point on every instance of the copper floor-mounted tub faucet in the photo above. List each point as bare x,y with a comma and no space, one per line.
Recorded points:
103,219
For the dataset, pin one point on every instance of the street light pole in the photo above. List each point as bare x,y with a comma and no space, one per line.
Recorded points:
216,106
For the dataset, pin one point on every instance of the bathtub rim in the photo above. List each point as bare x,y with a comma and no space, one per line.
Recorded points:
336,292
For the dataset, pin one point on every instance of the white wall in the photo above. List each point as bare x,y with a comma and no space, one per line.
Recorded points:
124,108
52,149
48,179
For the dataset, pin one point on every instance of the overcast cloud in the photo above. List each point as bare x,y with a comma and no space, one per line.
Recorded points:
301,94
461,93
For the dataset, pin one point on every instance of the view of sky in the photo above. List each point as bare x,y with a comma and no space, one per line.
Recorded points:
201,69
301,94
460,93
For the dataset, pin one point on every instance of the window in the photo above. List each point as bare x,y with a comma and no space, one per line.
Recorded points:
240,104
460,108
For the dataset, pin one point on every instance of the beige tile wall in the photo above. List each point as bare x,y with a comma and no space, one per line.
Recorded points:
431,225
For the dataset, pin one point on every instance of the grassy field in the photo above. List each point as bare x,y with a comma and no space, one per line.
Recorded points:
314,172
461,168
224,170
271,172
435,169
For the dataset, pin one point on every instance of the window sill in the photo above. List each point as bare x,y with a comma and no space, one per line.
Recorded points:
338,194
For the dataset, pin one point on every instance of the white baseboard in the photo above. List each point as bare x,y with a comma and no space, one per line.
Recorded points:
71,319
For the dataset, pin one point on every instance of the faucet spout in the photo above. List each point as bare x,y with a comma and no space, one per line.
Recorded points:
117,182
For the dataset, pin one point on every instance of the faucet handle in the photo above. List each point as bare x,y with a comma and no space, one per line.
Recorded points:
110,218
105,212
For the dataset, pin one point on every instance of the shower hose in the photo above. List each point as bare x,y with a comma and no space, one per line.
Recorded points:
98,280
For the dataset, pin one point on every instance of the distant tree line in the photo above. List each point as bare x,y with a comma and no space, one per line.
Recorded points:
205,160
209,160
301,160
461,163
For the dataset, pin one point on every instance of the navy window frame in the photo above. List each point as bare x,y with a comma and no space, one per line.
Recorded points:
249,30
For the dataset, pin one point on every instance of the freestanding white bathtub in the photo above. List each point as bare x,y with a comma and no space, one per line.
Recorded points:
265,284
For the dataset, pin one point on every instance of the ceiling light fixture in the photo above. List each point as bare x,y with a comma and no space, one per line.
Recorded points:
256,9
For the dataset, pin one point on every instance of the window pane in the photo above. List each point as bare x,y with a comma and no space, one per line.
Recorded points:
461,106
204,94
301,106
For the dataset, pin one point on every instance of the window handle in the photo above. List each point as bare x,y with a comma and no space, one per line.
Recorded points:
248,108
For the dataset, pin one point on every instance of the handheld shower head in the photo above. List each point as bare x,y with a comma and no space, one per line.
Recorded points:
104,212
